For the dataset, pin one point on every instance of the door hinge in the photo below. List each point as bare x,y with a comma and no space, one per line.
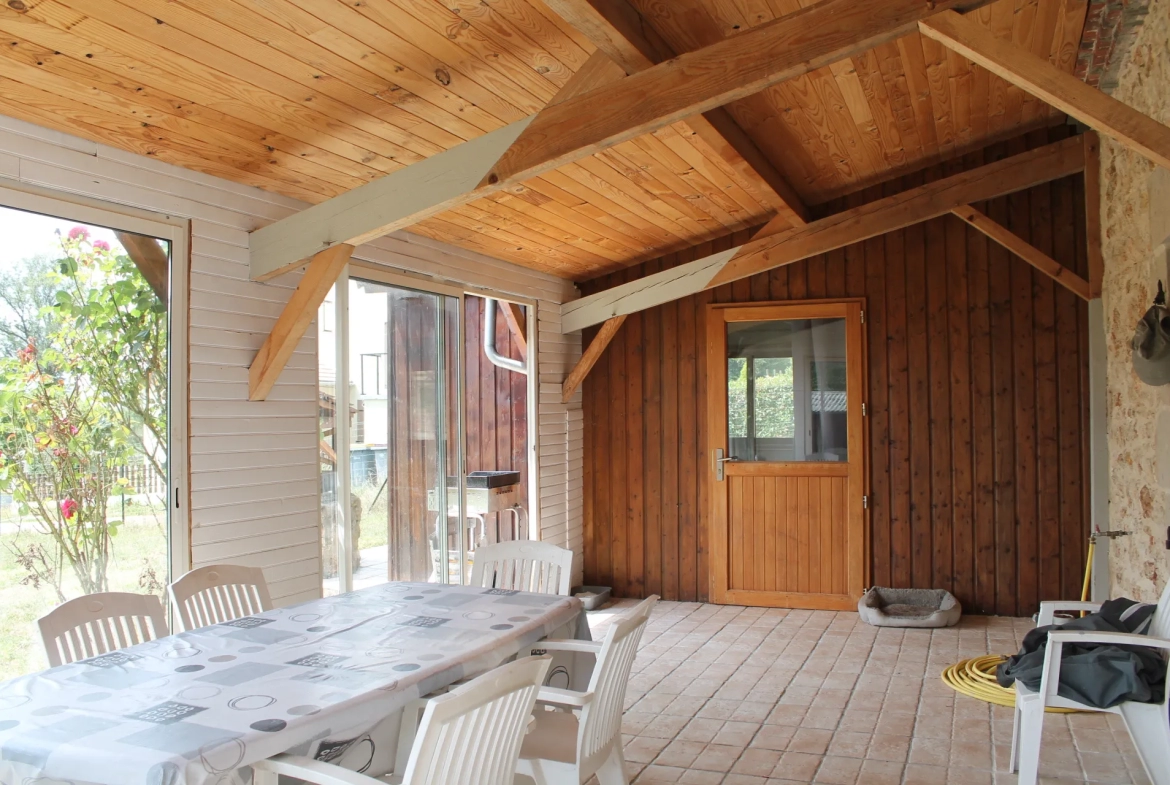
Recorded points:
863,317
176,498
864,412
865,502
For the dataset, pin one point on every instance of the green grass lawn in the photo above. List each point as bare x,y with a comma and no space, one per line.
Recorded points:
139,544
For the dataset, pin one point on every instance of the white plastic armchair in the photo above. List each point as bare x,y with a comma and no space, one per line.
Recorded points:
100,623
1148,723
218,593
523,565
469,736
568,747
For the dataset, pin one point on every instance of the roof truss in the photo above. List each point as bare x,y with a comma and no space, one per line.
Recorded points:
582,125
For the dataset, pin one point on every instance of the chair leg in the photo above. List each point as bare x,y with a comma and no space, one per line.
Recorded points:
613,771
1014,761
1150,735
1031,730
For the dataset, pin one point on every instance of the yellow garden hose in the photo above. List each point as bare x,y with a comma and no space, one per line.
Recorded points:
976,677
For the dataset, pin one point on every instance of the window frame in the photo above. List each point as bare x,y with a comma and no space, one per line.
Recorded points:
177,231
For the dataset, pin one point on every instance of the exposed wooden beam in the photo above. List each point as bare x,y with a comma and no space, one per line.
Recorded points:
578,127
590,357
296,317
770,248
623,34
1025,250
152,261
1093,212
1063,91
514,316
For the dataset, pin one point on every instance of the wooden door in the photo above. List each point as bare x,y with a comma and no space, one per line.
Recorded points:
787,454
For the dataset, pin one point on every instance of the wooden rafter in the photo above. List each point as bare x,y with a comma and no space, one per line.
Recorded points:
590,357
1065,92
580,126
298,313
769,249
620,31
1093,212
1025,250
152,261
514,316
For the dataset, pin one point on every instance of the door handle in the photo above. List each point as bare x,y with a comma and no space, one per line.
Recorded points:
719,461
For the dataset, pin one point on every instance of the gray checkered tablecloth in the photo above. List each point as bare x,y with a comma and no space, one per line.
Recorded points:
320,679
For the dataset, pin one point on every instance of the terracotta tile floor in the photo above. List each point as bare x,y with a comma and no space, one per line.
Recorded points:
732,696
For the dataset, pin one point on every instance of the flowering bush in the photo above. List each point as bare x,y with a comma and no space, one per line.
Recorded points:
86,399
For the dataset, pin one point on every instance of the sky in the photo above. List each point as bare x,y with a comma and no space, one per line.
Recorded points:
28,234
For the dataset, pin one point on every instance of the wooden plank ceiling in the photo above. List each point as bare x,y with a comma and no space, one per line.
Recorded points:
310,98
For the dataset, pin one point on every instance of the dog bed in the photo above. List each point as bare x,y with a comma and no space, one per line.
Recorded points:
909,608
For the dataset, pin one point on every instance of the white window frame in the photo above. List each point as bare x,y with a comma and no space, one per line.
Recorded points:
177,232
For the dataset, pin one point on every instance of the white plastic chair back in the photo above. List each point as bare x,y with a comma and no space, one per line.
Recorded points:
601,718
219,593
473,734
469,736
1160,624
100,623
523,565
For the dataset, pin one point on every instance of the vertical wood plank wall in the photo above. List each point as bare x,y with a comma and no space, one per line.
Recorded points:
978,405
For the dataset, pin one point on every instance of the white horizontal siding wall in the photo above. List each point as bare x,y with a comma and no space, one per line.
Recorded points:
254,490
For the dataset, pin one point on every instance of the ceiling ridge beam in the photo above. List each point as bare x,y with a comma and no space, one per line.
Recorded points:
770,248
581,126
1037,76
620,31
1025,250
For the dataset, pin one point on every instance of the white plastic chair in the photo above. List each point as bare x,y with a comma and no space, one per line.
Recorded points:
523,565
469,736
568,747
219,593
100,623
1147,722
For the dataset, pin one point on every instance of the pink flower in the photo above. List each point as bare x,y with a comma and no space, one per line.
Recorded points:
28,353
78,232
68,508
101,245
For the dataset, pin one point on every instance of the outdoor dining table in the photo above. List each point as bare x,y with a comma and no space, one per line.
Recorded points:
327,678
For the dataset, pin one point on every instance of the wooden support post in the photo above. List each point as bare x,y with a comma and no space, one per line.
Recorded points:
152,261
1025,250
298,314
590,357
1042,79
514,316
1093,212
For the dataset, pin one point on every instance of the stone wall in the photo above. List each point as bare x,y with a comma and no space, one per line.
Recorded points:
1138,416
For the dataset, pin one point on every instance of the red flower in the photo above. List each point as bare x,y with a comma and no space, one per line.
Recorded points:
78,232
101,245
28,353
68,508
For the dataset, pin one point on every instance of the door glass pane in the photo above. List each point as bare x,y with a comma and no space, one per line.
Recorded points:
84,370
786,390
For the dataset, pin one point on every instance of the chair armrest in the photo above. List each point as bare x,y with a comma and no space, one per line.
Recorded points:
1048,610
312,771
567,698
1114,638
566,644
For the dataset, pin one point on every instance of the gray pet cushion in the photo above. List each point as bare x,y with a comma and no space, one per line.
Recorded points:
909,608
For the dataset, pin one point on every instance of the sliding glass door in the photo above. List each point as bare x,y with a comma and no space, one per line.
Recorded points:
91,451
392,465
